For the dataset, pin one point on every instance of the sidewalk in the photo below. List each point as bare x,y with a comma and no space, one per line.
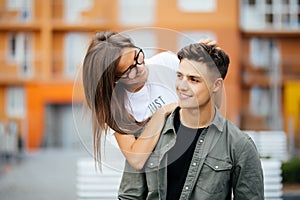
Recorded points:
51,175
291,192
46,175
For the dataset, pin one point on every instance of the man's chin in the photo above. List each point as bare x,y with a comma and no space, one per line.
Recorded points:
188,106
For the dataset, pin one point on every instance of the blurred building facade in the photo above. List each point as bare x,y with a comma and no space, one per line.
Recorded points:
43,43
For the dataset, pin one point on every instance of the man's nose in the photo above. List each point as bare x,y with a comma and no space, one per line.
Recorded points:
183,84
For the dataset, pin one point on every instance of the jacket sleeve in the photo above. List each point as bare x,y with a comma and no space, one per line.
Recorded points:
133,184
247,174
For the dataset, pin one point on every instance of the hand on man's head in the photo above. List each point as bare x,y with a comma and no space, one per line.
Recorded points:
210,42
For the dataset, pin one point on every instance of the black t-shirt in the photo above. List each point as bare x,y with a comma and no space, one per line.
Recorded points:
180,156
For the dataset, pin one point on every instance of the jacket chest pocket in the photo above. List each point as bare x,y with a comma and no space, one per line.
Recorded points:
214,175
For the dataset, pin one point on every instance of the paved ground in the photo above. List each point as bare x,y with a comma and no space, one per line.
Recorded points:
50,175
47,175
291,192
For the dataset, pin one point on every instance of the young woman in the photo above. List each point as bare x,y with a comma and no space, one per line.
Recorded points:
123,90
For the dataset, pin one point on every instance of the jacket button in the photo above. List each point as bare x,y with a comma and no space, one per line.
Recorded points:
201,141
216,167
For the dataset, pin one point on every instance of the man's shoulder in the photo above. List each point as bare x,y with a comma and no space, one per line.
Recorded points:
233,128
235,133
239,139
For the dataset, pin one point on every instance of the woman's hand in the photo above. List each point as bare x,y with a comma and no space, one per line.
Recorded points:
138,150
165,110
157,121
209,42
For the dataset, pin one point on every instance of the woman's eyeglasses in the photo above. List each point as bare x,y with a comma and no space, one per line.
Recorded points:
132,71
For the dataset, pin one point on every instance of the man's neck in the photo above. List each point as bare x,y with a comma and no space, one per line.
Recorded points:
197,118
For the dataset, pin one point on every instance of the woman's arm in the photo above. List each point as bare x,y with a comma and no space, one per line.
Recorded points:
138,150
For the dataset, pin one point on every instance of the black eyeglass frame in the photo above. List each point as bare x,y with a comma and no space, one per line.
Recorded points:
134,66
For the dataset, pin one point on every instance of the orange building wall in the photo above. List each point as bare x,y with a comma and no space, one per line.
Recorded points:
224,22
49,30
2,108
225,16
38,96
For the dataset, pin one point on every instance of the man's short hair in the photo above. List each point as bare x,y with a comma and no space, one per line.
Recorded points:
211,55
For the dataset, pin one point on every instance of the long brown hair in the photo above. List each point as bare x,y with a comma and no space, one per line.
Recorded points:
104,97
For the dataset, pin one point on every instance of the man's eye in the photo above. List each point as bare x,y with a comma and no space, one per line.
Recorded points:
195,80
179,76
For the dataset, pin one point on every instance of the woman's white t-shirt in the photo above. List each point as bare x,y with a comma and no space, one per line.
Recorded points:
159,90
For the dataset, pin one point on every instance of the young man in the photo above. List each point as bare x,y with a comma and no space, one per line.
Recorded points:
200,154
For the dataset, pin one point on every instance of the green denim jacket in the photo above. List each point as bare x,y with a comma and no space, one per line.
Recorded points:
225,163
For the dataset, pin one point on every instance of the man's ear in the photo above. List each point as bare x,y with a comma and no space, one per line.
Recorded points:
218,84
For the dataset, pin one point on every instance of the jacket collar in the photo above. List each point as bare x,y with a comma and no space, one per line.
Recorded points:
218,121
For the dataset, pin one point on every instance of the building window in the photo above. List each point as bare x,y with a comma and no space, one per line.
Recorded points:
148,45
197,6
259,15
15,101
25,8
133,12
189,37
20,52
75,47
74,8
